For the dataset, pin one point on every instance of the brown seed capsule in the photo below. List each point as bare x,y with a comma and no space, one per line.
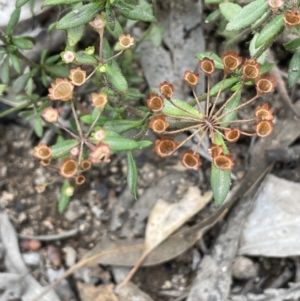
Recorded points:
77,76
190,160
166,89
155,102
79,180
158,124
126,41
62,89
265,84
42,152
224,162
231,61
191,78
215,150
264,128
68,168
232,135
263,112
165,146
85,165
251,70
207,66
99,100
291,18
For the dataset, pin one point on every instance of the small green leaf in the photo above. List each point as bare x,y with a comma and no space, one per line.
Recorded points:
144,144
52,59
58,2
63,147
229,10
233,103
116,78
79,16
22,43
118,143
44,79
21,82
121,126
64,197
293,44
155,35
270,31
133,94
133,12
75,34
85,59
217,60
182,108
265,68
248,15
294,69
38,127
107,52
20,3
15,62
14,19
253,49
58,70
117,31
229,82
5,71
213,16
110,19
132,174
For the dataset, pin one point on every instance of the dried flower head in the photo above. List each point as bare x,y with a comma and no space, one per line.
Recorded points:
251,70
190,160
42,152
215,150
207,66
265,84
68,168
155,102
79,180
75,151
291,18
62,89
50,114
45,162
99,100
223,162
158,124
98,23
165,146
68,56
264,112
85,165
231,61
126,41
275,4
232,135
99,134
166,89
191,78
264,128
100,153
77,76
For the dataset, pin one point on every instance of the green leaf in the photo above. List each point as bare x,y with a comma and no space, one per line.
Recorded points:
132,174
14,19
270,31
85,59
22,43
38,127
248,15
107,52
133,12
233,103
5,71
133,94
58,70
293,44
118,143
21,82
75,34
57,2
121,126
52,59
144,144
44,79
116,78
95,114
63,147
79,16
20,3
155,35
229,10
213,16
217,60
229,82
110,19
253,49
183,109
294,69
64,198
265,68
15,62
117,31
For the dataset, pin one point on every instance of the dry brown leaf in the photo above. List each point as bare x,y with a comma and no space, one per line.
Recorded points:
131,292
89,292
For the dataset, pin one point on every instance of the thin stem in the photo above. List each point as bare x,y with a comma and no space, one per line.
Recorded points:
68,131
238,121
197,100
207,96
113,57
176,106
90,76
94,123
181,130
200,141
80,151
218,95
101,33
238,107
227,101
182,117
15,109
76,120
248,134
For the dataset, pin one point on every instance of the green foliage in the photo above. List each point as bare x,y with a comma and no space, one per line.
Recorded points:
132,174
65,196
294,69
181,108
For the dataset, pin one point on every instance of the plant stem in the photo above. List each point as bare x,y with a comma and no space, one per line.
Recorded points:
94,123
197,100
76,120
218,95
200,141
181,130
15,109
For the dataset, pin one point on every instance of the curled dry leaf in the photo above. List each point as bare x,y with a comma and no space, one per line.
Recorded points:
89,292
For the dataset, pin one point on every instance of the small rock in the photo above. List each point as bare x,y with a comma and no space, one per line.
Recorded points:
102,190
70,256
97,211
244,268
75,210
54,255
32,258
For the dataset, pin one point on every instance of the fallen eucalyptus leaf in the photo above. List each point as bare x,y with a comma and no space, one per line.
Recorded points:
89,292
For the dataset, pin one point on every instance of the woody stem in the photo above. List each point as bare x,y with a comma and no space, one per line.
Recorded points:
238,121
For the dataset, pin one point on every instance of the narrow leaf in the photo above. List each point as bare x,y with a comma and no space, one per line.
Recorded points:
64,198
20,3
293,44
118,143
217,60
15,62
85,59
58,70
61,148
14,19
270,31
229,82
121,126
79,16
248,15
229,10
38,127
75,34
21,82
181,109
253,49
233,103
5,71
294,69
22,43
117,79
132,174
57,2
